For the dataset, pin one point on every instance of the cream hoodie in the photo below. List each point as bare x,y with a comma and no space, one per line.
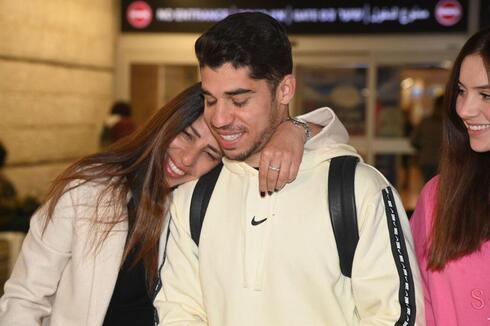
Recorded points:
273,260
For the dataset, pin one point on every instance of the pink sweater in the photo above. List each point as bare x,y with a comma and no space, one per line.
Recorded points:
460,294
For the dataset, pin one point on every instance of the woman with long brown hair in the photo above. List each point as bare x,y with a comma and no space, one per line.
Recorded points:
91,256
451,223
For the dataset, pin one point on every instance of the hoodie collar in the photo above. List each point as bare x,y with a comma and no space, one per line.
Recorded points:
311,158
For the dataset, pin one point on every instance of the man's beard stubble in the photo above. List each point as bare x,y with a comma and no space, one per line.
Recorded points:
262,139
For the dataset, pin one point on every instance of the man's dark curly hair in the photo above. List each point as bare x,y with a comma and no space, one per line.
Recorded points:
249,39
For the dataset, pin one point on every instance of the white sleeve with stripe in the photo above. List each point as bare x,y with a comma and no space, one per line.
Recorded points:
385,276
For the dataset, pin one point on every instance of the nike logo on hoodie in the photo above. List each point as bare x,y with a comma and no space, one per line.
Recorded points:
257,222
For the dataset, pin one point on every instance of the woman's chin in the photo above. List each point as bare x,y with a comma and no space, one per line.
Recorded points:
172,182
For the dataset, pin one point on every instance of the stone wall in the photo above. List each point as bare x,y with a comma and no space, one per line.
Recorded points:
56,84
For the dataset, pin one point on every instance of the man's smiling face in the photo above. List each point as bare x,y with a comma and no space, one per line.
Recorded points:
241,112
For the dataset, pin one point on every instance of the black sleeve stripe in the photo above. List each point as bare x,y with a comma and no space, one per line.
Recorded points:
159,284
400,256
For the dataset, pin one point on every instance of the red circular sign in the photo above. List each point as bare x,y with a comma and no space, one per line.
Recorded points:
448,12
139,14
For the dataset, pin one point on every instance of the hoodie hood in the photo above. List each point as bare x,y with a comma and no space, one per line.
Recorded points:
333,132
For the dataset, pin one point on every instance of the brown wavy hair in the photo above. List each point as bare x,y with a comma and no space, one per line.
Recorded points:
135,166
462,221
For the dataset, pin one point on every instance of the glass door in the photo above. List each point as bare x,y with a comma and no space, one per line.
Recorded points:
153,85
380,98
340,83
405,95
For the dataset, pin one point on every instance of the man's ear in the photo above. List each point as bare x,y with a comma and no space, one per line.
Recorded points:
286,89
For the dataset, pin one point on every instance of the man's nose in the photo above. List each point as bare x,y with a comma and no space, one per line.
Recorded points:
221,115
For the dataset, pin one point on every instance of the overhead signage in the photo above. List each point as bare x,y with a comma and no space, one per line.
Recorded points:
302,17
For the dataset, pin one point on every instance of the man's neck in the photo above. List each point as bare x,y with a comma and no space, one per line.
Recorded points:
253,160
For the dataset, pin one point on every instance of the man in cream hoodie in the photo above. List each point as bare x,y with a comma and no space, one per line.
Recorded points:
272,259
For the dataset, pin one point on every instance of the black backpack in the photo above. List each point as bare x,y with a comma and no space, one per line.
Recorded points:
341,198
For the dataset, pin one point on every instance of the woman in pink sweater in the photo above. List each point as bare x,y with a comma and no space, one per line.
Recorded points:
451,224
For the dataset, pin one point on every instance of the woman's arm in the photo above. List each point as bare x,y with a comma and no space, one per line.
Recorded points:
420,223
284,150
40,264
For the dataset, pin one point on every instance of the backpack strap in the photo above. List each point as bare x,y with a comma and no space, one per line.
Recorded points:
200,201
342,206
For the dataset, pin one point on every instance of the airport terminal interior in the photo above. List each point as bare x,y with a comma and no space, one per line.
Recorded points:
64,63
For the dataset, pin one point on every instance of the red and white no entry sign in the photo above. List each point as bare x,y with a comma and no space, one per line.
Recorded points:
139,14
448,12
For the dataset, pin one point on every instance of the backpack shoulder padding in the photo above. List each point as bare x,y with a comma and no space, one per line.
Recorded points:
200,200
342,207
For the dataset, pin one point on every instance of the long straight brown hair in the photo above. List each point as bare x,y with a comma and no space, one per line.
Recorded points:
462,221
136,166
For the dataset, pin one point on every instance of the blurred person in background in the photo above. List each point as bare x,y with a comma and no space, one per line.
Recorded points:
15,210
118,124
426,138
8,194
451,223
92,253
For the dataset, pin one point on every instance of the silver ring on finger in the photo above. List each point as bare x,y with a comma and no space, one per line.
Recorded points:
275,168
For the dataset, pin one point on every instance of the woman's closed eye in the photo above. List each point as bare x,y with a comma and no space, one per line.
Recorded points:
187,135
486,96
213,156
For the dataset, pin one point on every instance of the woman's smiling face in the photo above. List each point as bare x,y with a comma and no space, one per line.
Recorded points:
191,154
473,102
